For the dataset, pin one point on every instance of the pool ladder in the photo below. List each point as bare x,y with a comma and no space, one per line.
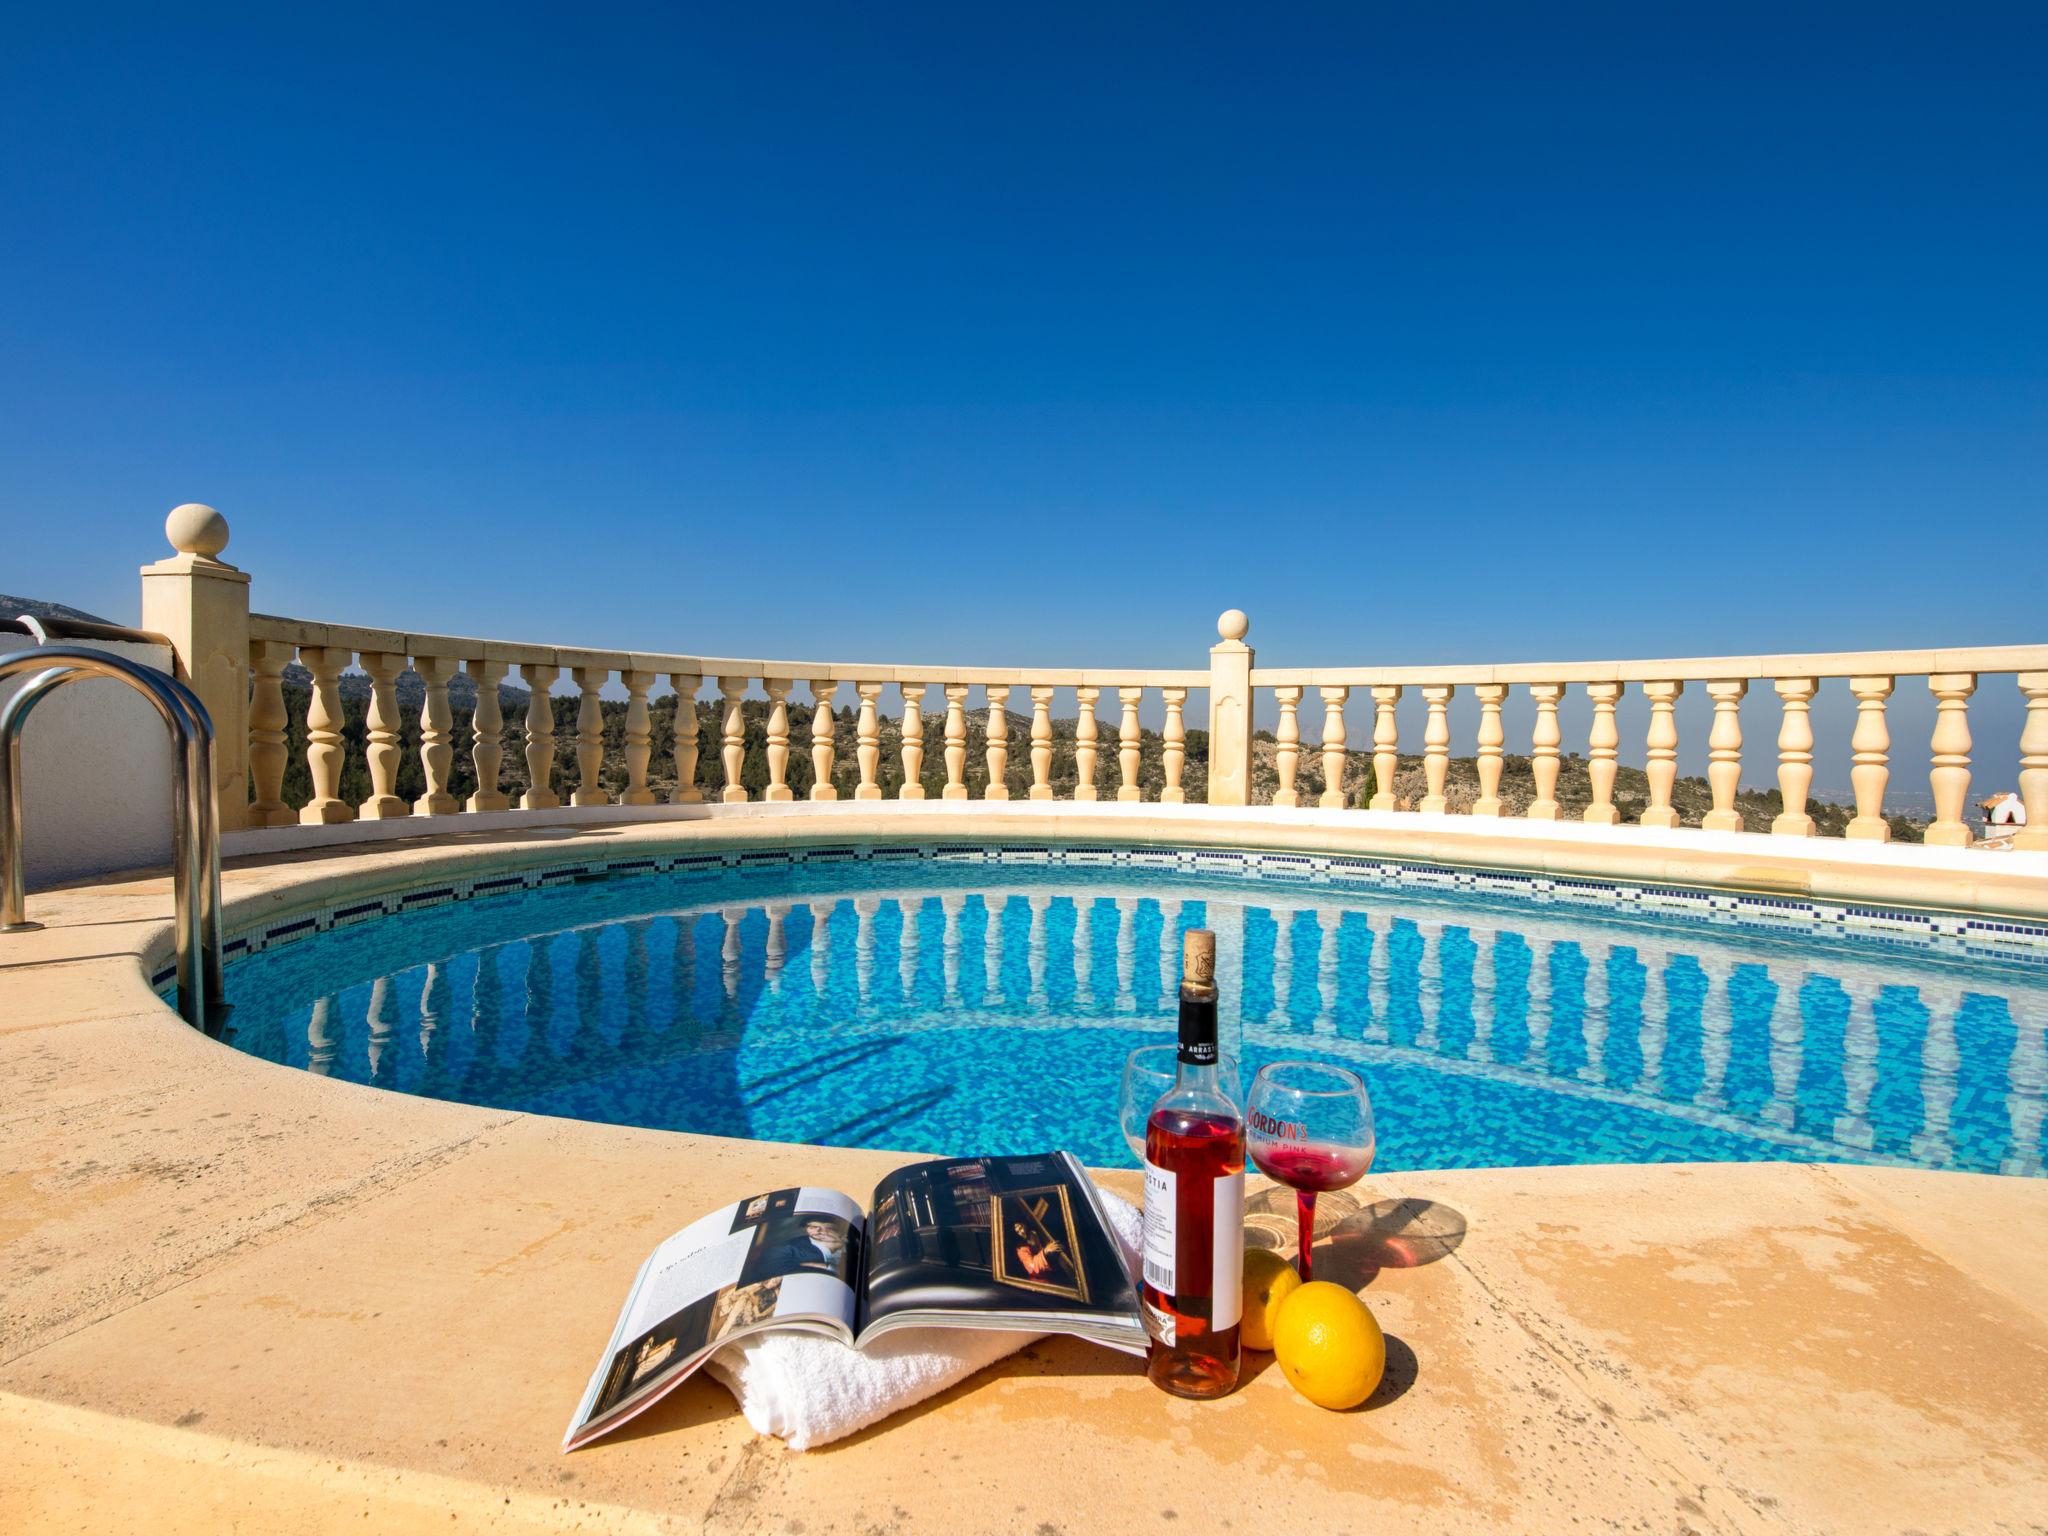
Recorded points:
195,830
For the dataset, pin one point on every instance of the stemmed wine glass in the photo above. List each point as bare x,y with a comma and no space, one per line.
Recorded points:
1149,1072
1309,1127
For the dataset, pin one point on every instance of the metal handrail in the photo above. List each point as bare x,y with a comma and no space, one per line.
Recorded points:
195,835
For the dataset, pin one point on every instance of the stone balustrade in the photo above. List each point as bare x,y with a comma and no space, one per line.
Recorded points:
202,604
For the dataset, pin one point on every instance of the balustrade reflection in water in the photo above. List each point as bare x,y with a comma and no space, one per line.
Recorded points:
998,1020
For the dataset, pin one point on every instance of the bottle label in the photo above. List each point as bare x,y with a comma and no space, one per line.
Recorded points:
1161,1186
1227,1299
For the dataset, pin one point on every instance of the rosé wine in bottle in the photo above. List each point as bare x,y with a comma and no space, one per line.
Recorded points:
1194,1203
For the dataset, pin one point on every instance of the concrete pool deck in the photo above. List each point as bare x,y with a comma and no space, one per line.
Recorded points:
236,1296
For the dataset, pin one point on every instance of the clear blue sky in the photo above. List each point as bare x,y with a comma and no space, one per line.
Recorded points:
1041,335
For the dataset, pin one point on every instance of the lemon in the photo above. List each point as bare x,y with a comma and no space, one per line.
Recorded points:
1268,1281
1329,1345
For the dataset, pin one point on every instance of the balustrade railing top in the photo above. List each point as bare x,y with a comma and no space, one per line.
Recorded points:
236,660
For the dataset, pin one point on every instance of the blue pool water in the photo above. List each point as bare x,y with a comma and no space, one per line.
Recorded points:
976,1008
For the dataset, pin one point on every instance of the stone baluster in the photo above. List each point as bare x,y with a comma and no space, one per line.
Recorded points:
777,689
1386,745
997,755
956,742
686,791
732,731
1662,747
1173,754
382,728
590,737
1084,742
2034,762
867,752
822,787
1491,737
1724,754
1128,738
1289,751
1869,751
1436,745
1041,743
437,737
487,743
1334,741
324,748
540,737
1543,742
913,742
639,738
267,722
1950,774
1859,1063
1601,743
1795,756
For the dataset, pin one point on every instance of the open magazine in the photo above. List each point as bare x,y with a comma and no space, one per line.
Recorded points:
1016,1243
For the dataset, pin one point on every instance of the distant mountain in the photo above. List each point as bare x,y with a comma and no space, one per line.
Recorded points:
36,608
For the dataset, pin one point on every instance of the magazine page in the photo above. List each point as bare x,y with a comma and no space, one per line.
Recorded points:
789,1258
997,1242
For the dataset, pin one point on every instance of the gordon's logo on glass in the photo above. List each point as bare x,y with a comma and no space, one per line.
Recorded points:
1285,1130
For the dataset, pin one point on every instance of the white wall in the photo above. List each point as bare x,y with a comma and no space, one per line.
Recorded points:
96,771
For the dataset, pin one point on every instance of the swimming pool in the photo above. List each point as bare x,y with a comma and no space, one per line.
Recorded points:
951,999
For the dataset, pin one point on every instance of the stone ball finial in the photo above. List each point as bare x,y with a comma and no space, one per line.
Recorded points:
1233,625
196,529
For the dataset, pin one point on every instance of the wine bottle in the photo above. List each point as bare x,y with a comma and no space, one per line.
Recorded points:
1194,1203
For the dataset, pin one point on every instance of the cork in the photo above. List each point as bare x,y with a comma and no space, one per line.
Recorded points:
1198,959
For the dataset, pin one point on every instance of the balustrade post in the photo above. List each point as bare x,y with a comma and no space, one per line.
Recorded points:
2034,762
1601,742
1084,742
732,730
1544,737
540,737
1724,754
1288,752
778,738
437,737
1230,712
267,721
1436,745
1869,751
1127,744
1386,745
590,737
686,791
1795,756
913,742
867,751
382,726
1174,752
1662,746
324,749
1491,738
956,742
822,693
1041,743
997,755
1950,775
487,736
200,604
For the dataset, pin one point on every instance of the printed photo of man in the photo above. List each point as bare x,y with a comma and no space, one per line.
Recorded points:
820,1245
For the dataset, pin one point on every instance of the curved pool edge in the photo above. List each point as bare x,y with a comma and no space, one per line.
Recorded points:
260,1274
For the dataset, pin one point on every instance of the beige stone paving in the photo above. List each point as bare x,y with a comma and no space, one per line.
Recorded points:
240,1298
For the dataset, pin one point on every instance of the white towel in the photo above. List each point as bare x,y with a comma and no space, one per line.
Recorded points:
809,1390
